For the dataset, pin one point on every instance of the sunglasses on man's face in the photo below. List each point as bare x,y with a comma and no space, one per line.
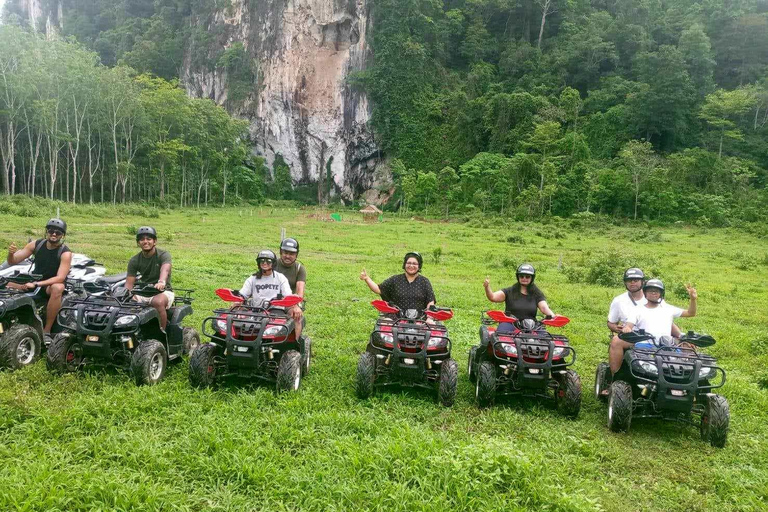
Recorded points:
55,232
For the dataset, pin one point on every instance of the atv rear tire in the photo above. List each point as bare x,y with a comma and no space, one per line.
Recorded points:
470,363
601,382
19,347
306,357
449,378
485,388
202,367
366,375
149,363
289,372
191,340
65,354
620,407
569,394
715,421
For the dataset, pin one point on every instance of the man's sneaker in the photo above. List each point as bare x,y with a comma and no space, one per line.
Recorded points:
47,339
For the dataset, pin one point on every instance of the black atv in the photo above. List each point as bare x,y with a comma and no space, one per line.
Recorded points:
253,342
21,322
22,313
111,329
669,380
527,361
407,350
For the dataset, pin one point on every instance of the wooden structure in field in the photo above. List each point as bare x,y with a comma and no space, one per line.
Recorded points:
371,213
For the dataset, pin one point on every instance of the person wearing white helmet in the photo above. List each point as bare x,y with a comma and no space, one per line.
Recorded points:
624,305
52,261
266,284
656,318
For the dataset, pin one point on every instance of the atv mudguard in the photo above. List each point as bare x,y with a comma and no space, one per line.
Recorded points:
174,329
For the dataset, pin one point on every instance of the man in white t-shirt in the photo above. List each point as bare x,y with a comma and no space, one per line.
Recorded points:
657,317
624,308
266,284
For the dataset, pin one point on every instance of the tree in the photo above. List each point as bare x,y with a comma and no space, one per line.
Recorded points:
721,107
638,158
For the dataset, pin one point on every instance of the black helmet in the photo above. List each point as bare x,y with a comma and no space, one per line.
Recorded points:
633,273
58,224
146,231
413,254
526,269
654,283
290,245
266,254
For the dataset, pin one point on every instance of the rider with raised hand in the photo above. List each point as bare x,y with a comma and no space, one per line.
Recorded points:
294,271
624,306
154,266
266,284
409,290
522,299
656,317
52,261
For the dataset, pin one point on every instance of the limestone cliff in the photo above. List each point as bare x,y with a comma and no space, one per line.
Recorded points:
301,106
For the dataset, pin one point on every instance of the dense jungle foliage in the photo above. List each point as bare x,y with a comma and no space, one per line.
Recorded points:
636,109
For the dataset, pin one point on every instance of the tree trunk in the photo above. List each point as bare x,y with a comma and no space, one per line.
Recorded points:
544,12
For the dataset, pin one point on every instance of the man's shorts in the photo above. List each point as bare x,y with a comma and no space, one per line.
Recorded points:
146,300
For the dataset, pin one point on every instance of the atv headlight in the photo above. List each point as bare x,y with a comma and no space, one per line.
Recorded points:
559,352
509,348
648,367
126,320
707,372
221,325
272,331
437,342
68,317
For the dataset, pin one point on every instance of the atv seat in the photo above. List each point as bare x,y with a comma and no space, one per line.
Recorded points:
114,278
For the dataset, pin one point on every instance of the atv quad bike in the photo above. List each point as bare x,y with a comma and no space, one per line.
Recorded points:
22,314
407,350
528,361
253,342
669,380
112,330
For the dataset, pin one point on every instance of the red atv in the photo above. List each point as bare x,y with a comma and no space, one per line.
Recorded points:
527,361
248,341
406,349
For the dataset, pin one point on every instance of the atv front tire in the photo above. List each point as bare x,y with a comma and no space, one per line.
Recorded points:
65,354
620,407
366,374
202,367
191,340
485,388
289,372
569,394
601,382
715,421
19,347
149,363
449,378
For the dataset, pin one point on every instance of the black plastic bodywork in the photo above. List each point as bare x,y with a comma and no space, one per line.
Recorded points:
23,307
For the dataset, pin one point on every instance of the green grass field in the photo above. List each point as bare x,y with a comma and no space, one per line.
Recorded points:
95,441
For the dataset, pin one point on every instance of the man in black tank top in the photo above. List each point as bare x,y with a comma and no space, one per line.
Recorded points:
52,262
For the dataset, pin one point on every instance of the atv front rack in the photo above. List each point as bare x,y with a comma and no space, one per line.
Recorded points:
678,368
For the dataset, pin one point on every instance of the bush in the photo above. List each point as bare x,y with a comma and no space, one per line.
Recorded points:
607,268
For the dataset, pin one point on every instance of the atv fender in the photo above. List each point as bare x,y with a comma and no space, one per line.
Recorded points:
484,336
179,313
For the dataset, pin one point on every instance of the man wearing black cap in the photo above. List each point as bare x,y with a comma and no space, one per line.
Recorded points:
52,261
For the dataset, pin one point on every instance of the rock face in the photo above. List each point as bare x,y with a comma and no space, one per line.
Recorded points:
301,106
43,16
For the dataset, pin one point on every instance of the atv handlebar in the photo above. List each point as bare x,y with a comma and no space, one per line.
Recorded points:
434,312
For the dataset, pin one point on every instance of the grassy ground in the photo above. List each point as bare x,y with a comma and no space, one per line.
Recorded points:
95,441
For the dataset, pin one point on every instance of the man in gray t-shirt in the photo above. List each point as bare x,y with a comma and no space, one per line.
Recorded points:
154,266
294,271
